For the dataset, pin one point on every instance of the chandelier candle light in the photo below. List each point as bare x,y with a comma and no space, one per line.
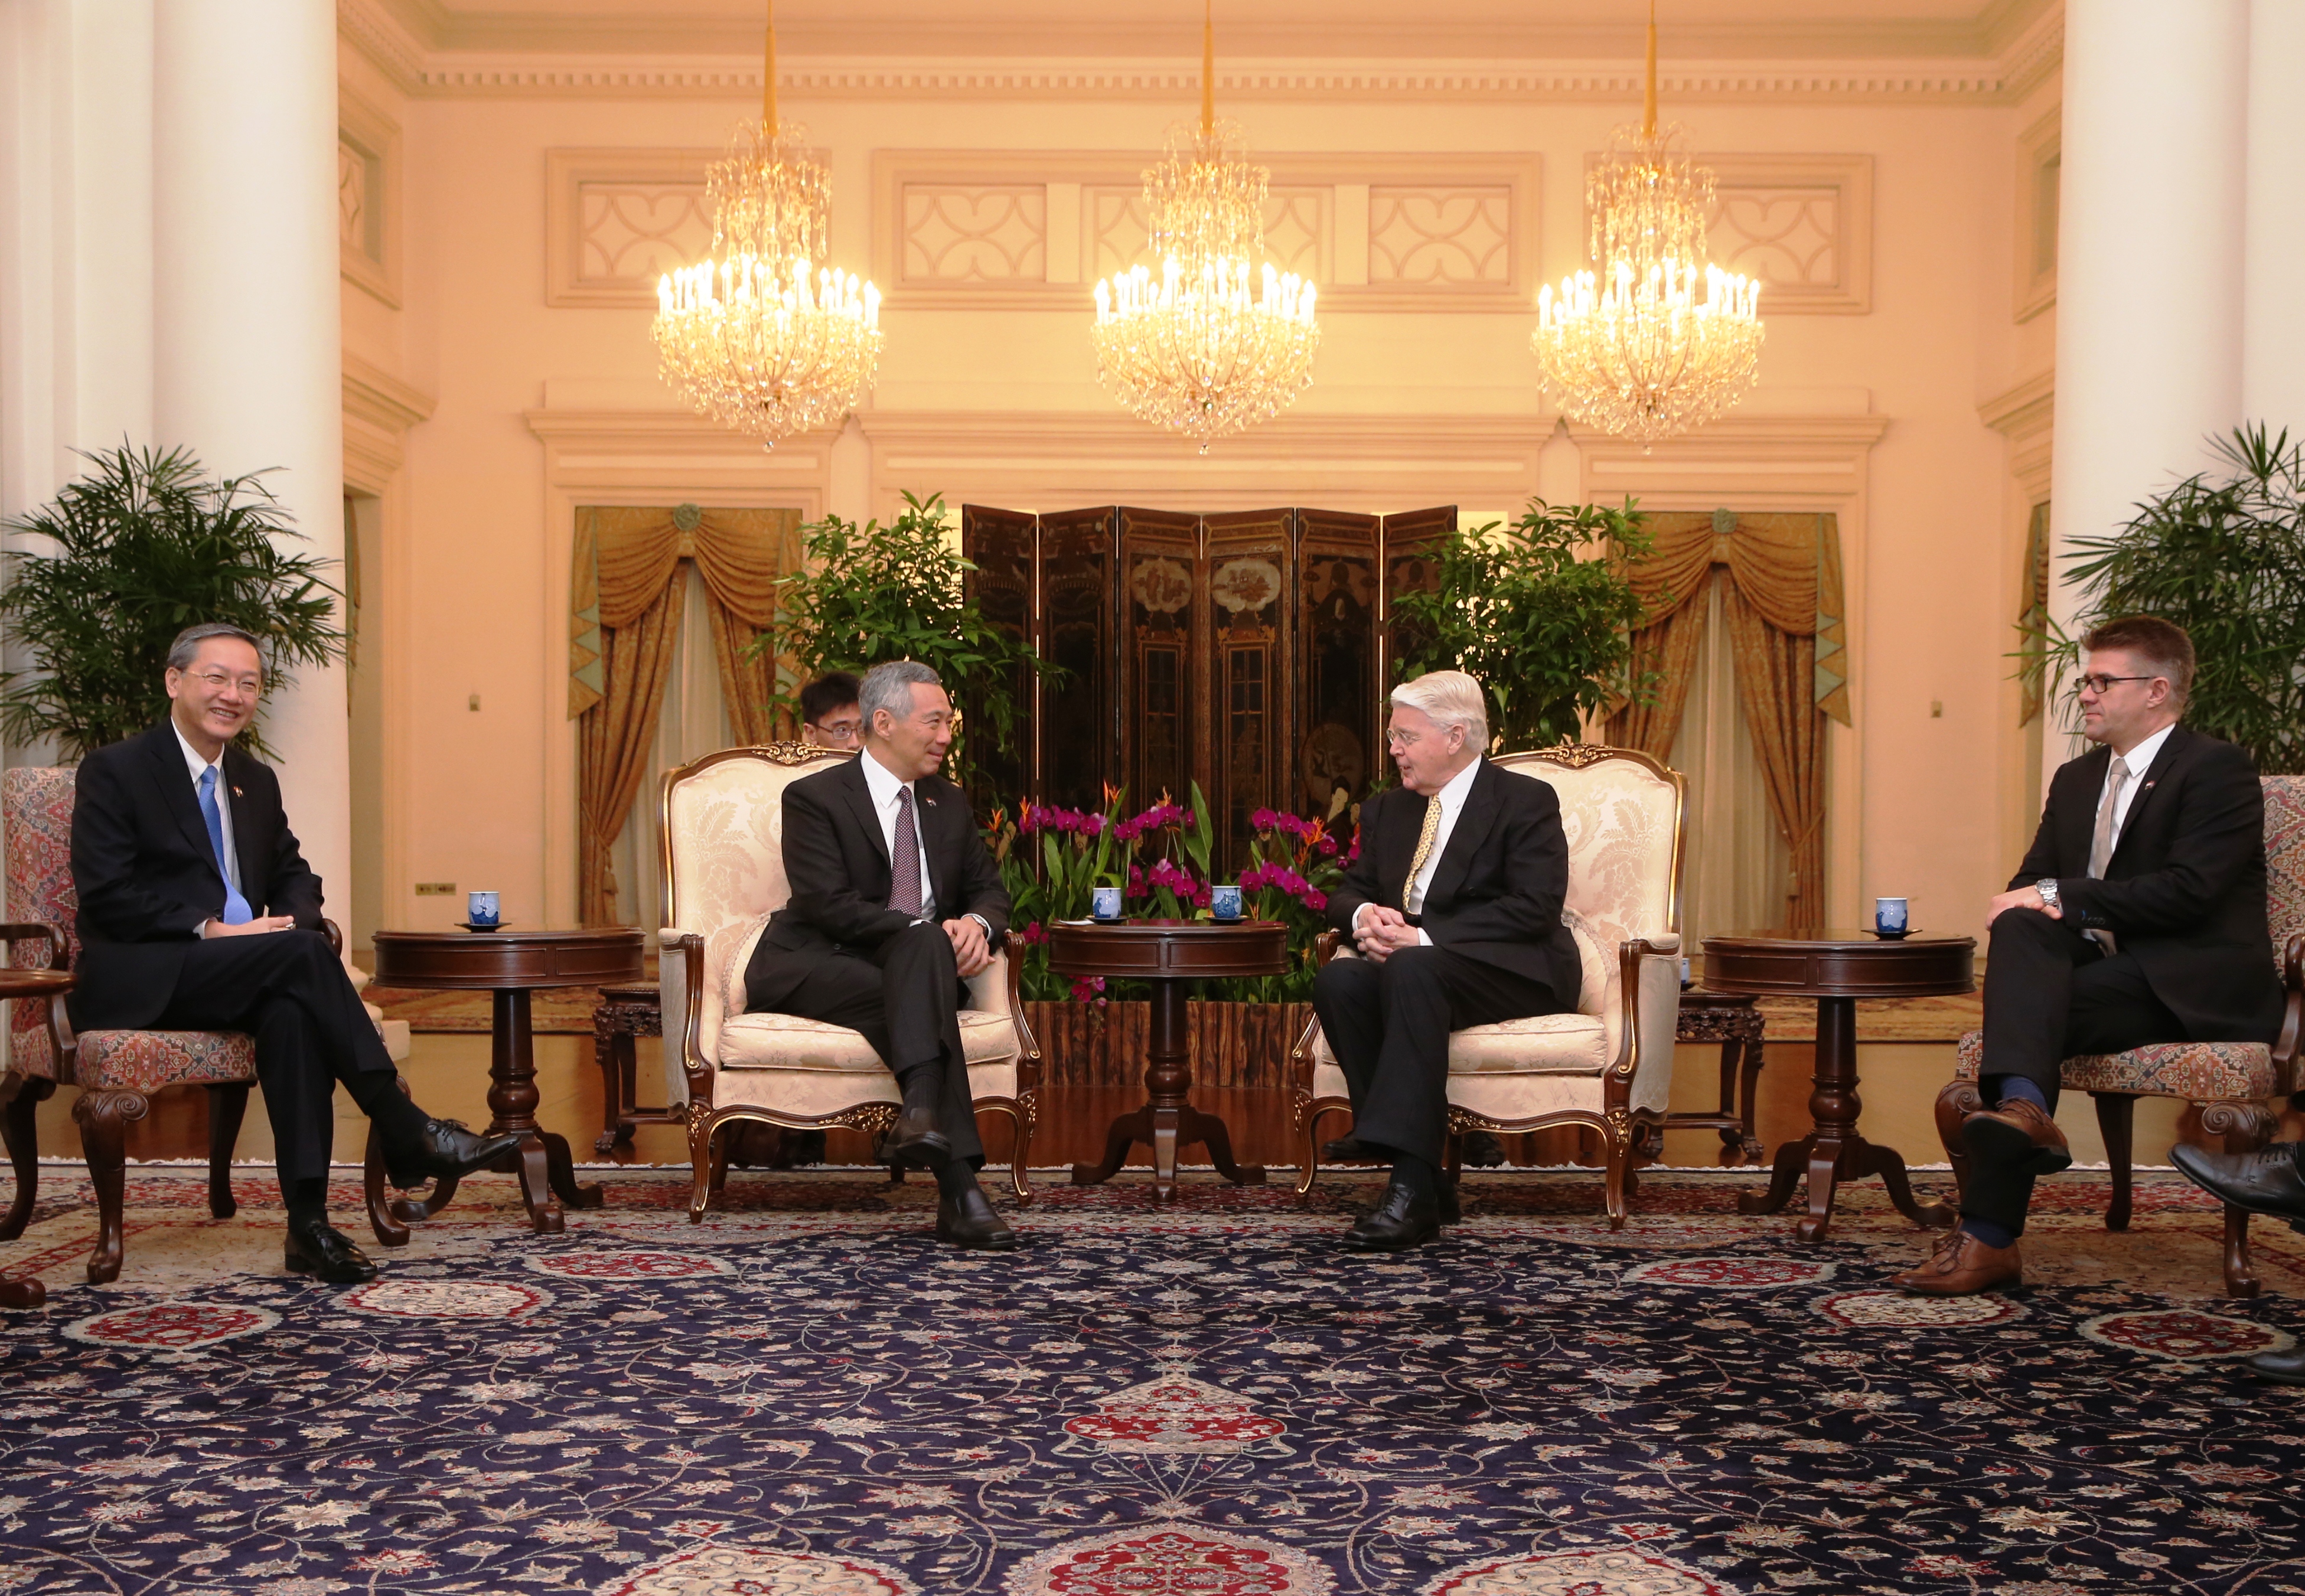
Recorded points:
1192,350
1659,340
763,337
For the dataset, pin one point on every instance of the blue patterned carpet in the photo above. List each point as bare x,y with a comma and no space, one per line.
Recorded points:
807,1397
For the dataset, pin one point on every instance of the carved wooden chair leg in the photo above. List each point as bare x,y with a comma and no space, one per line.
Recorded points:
19,1129
1310,1170
1955,1103
2245,1127
1020,1158
227,1105
1617,1184
2117,1121
700,1163
103,1118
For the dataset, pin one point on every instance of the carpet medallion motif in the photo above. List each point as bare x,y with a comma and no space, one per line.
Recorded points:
807,1396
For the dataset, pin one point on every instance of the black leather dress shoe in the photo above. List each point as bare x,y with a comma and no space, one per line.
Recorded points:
1401,1221
2264,1181
969,1220
322,1249
447,1151
1352,1150
916,1143
2283,1367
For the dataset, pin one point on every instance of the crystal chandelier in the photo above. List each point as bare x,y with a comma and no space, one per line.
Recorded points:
762,335
1192,350
1658,340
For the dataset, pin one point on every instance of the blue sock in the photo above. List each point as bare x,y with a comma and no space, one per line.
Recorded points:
1989,1232
2000,1089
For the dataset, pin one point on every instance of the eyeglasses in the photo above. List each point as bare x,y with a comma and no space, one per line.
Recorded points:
2103,685
249,686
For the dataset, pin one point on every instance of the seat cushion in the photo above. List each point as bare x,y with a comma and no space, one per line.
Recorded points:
2198,1072
146,1061
789,1042
1538,1044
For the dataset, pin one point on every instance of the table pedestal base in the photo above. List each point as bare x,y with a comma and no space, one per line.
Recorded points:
1834,1151
1168,1120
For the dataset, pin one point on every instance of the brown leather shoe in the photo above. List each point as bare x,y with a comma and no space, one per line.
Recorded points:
1960,1265
2017,1132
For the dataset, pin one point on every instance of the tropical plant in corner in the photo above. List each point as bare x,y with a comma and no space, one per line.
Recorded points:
869,595
144,546
1539,609
2222,553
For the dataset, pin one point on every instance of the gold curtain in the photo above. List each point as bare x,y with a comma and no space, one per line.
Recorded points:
625,599
1786,613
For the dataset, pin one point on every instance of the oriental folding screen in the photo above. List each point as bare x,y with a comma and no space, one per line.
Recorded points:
1249,651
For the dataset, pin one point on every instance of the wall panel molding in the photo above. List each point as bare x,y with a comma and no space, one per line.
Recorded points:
615,220
368,196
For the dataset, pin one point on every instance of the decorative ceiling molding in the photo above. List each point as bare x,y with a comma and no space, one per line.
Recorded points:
710,68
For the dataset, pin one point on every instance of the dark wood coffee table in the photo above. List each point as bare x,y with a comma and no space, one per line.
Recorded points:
511,964
34,985
1170,954
1837,968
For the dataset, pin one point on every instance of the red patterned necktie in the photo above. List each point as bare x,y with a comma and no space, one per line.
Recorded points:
904,868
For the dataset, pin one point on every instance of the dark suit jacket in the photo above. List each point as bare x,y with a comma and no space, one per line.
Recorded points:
146,876
836,864
1497,892
2184,890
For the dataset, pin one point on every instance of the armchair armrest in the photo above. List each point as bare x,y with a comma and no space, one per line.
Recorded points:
1325,946
1649,977
36,930
680,1008
2287,1045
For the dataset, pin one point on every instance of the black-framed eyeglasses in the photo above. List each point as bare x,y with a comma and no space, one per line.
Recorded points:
2103,685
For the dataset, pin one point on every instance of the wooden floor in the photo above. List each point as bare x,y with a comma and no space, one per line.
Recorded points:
449,1076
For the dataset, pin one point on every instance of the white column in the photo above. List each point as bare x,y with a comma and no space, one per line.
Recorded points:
2273,324
247,330
2149,248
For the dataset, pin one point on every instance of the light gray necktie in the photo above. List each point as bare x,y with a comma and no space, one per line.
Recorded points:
2101,839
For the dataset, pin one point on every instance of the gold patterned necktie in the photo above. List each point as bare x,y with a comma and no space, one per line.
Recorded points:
1424,852
2101,840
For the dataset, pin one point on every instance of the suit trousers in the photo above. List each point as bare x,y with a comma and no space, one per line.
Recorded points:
1389,1026
286,990
2052,993
905,999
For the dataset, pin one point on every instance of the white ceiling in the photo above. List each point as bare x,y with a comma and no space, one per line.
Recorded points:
1266,29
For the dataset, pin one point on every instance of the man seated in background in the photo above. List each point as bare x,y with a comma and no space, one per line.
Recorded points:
198,912
829,714
896,901
1454,905
2137,916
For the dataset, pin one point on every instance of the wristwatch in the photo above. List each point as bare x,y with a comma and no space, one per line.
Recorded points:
2047,887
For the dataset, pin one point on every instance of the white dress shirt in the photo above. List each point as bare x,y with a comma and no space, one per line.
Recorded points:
885,787
2139,759
196,765
1451,800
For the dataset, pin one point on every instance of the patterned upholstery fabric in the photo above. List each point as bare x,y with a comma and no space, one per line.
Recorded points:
727,825
2205,1072
2199,1071
37,804
1622,821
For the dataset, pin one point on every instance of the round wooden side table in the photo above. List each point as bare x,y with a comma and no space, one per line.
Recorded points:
510,966
1837,968
41,986
1170,954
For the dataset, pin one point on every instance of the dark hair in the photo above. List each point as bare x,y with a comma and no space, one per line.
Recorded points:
187,646
2149,640
835,690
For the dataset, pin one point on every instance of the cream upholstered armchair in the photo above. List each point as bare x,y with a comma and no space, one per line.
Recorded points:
724,875
1609,1065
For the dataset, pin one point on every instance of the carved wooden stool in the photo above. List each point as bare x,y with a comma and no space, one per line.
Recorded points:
623,1014
1734,1022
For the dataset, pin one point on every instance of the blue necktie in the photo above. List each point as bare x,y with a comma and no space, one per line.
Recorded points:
236,911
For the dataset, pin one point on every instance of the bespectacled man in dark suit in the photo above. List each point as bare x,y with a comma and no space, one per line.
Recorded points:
1454,906
2137,916
198,912
896,901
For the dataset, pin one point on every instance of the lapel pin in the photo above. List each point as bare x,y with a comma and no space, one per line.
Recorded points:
928,800
238,794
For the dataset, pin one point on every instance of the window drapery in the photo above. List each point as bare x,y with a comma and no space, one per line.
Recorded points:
1783,606
626,597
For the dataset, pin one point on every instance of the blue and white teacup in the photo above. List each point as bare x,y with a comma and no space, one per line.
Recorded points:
1104,902
480,908
1224,902
1889,916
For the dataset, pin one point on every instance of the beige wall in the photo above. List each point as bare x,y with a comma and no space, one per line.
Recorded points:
536,408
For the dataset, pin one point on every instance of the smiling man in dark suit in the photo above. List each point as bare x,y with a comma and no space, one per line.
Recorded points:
198,912
1454,906
896,901
2137,916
